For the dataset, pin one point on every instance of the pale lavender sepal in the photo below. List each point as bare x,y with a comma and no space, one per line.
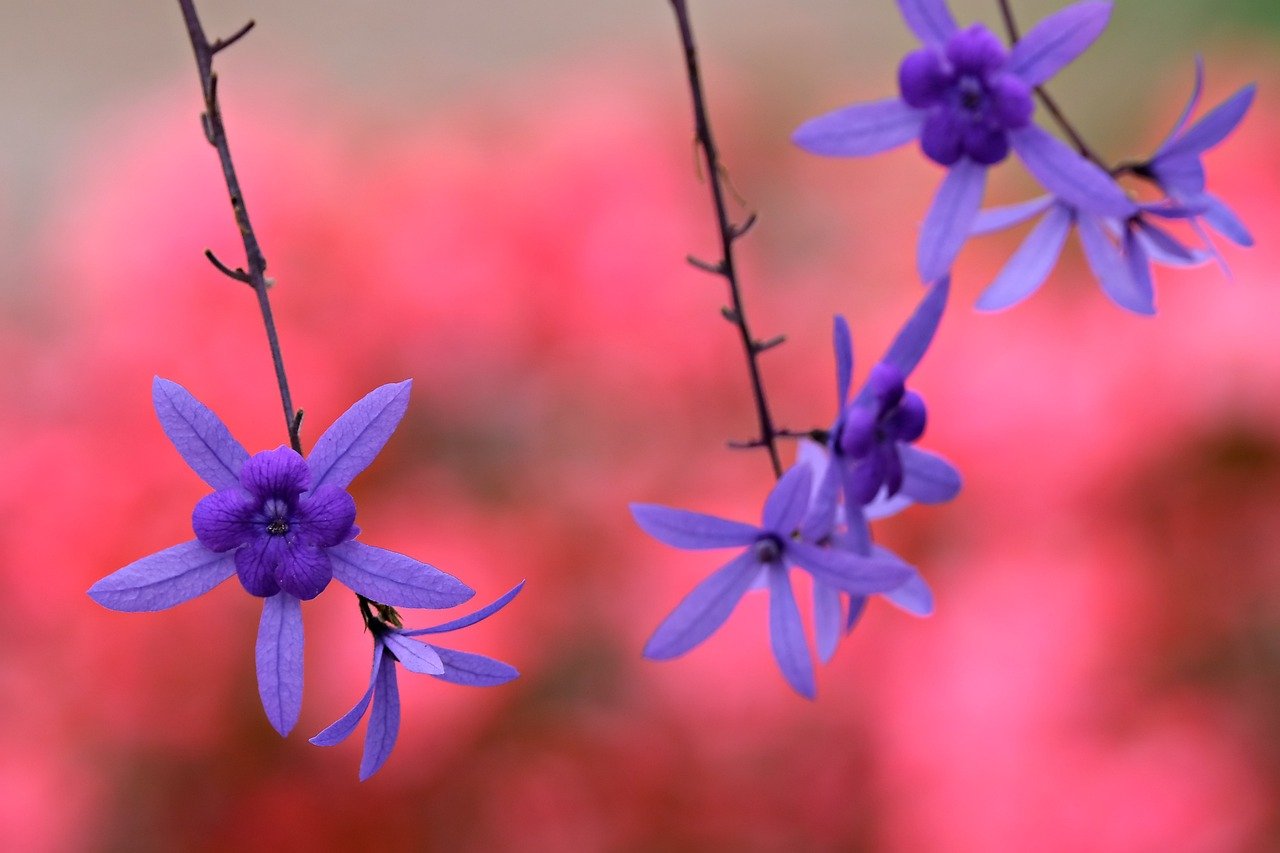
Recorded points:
704,609
857,606
930,20
354,439
163,579
1213,127
850,572
681,528
391,578
999,218
913,595
1031,264
471,618
828,614
1067,175
472,670
200,436
861,129
1109,267
279,660
820,518
414,655
842,342
786,634
927,478
343,727
384,719
946,225
917,333
1056,41
1197,87
1135,256
1225,222
787,502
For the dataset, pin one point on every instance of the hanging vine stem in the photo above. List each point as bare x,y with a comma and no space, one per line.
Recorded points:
729,233
256,273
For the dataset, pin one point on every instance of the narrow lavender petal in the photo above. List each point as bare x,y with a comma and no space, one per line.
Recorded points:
258,564
857,606
999,218
305,571
786,634
224,519
342,729
472,670
391,578
279,660
1164,247
704,609
384,719
1181,177
929,479
1056,41
914,596
861,129
200,436
1225,222
281,473
786,504
470,619
820,518
1196,88
947,223
1211,248
1214,126
324,516
1067,175
681,528
1135,256
856,538
1030,265
843,343
913,340
163,579
414,655
828,614
1109,267
852,573
348,446
930,20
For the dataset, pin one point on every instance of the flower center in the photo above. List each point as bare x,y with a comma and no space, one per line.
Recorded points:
277,513
768,548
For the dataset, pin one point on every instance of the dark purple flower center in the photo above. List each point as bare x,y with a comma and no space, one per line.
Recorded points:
972,102
768,548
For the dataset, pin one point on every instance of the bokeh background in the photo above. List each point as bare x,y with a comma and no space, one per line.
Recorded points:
496,199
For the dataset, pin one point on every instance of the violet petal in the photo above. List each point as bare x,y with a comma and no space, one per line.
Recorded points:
384,719
471,618
281,474
704,609
342,729
928,478
1057,40
828,614
1197,87
786,634
1225,222
913,596
999,218
917,333
472,670
324,516
1109,267
681,528
163,579
200,436
850,572
785,506
930,20
258,564
1030,265
279,660
842,342
861,129
224,519
305,570
857,606
947,223
390,578
348,446
1070,177
1213,126
414,655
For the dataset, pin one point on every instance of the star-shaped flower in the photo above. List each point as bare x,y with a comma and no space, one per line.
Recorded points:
872,439
285,526
968,100
770,550
394,644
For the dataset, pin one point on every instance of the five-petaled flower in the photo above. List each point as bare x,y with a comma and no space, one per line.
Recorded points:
968,100
770,550
394,644
285,526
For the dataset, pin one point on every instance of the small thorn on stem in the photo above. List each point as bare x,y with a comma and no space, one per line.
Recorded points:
223,44
738,231
729,314
207,124
238,274
297,422
745,445
705,266
762,346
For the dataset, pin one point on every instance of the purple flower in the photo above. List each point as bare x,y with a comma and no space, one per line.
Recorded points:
1119,252
845,528
393,644
283,525
1176,168
872,439
968,100
770,550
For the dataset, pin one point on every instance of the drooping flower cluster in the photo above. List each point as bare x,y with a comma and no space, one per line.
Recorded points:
968,100
285,526
815,518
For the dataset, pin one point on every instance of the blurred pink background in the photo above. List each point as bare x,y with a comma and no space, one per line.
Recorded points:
498,204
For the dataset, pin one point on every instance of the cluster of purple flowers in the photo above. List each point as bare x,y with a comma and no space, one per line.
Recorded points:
285,526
